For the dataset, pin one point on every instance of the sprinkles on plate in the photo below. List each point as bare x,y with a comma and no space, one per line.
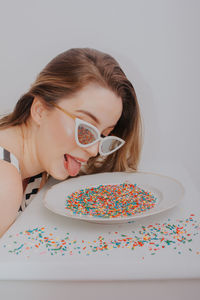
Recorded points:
177,235
110,201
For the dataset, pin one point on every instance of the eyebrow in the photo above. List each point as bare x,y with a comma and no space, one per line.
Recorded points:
92,117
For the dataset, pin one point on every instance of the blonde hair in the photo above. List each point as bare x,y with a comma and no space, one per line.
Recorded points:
65,75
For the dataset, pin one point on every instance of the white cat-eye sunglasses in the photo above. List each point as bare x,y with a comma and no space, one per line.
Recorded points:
87,135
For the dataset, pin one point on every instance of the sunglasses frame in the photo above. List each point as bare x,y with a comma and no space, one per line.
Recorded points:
99,138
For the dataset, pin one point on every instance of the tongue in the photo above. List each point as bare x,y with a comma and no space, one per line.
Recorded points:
73,166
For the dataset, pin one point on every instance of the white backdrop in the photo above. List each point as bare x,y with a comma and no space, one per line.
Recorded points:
157,43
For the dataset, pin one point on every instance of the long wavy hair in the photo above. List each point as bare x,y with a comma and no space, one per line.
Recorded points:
67,74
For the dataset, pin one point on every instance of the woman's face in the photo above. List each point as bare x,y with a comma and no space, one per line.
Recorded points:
56,145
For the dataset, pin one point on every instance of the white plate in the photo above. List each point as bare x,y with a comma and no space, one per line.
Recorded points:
168,192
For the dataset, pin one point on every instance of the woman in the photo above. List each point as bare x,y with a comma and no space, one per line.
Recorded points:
80,116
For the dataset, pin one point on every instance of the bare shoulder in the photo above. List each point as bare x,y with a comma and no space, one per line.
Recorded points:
9,177
11,194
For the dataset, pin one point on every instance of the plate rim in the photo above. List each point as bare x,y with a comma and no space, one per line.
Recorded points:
117,219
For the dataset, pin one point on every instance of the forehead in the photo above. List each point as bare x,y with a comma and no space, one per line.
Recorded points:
101,102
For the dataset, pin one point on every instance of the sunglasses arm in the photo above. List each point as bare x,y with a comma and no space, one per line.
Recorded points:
63,110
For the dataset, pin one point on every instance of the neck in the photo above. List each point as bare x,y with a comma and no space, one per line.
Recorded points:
21,141
28,158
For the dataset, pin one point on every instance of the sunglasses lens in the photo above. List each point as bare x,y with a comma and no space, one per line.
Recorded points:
109,145
86,134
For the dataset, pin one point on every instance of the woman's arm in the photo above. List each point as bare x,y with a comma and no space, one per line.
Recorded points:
11,193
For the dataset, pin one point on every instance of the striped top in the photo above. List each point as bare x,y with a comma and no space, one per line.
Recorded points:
34,183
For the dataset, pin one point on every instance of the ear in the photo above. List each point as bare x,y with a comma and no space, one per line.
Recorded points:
38,110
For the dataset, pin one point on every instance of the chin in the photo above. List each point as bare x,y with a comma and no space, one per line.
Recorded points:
59,177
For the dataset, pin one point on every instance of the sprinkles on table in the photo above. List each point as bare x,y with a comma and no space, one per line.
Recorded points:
154,237
110,201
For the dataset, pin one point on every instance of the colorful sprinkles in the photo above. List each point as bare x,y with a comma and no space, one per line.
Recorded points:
110,201
154,237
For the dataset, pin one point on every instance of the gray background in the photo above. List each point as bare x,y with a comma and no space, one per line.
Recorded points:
156,42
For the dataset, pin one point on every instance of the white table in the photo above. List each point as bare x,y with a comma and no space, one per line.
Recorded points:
116,273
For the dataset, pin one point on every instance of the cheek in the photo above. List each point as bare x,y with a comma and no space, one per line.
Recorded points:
57,136
67,130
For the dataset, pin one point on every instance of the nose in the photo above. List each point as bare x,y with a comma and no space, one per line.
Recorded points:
93,150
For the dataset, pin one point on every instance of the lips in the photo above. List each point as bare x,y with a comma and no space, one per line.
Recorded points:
79,159
72,165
